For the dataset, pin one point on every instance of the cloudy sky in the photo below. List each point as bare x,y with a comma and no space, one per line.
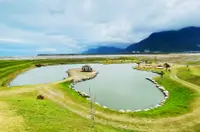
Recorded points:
29,27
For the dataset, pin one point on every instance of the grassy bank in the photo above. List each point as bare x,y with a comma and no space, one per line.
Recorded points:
190,74
46,116
180,98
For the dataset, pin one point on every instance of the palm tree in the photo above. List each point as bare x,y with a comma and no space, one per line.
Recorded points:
167,66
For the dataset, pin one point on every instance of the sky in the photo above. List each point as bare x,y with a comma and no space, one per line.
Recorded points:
31,27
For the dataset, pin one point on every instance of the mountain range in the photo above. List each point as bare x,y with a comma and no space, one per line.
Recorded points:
105,50
183,40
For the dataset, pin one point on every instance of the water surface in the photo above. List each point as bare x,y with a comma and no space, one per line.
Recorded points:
43,75
117,86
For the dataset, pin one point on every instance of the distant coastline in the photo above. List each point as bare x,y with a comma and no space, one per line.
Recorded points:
83,56
140,53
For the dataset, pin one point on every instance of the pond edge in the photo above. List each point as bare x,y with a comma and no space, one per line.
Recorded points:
161,88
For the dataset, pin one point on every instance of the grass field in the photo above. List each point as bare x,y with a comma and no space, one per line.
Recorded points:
64,110
177,103
46,116
190,74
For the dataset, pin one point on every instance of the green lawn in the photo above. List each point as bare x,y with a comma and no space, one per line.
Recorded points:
190,74
46,116
180,98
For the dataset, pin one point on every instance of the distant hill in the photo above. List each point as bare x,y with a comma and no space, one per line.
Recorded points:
184,40
104,50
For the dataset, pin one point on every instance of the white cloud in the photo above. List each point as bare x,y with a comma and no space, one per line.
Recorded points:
47,50
9,40
77,24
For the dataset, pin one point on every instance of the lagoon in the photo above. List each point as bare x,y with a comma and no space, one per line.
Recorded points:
117,86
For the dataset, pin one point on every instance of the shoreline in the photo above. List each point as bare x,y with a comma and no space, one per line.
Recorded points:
76,75
162,89
74,78
53,56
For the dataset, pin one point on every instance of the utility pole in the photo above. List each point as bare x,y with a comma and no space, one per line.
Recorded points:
155,59
92,112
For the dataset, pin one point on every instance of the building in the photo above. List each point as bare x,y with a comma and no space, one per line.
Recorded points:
86,68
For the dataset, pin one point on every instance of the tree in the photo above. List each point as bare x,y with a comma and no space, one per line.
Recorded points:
162,74
138,63
188,68
146,61
167,66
